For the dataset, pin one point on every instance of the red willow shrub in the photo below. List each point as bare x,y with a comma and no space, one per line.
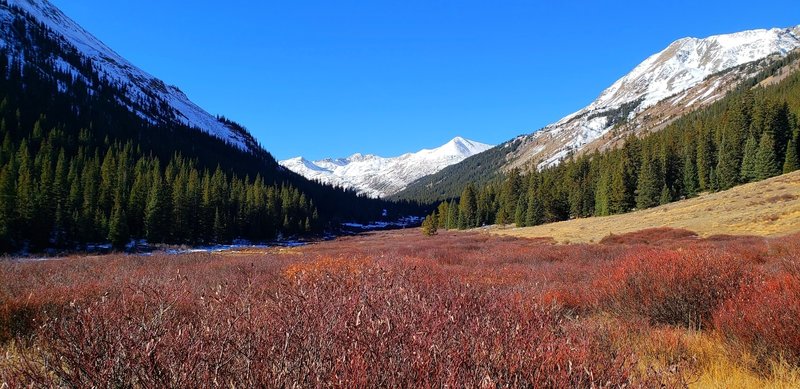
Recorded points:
651,236
765,315
679,287
381,326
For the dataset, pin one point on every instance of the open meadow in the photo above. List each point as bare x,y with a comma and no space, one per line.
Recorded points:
658,308
766,208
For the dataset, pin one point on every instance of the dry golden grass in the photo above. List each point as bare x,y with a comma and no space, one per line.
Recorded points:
765,208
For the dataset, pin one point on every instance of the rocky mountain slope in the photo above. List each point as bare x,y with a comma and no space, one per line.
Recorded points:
689,74
145,95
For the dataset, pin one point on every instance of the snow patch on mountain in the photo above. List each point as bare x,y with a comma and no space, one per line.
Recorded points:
681,66
140,86
378,176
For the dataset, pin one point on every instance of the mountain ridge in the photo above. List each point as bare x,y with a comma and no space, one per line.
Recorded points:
688,74
377,176
142,89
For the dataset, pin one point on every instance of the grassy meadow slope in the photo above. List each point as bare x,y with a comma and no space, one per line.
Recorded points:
764,208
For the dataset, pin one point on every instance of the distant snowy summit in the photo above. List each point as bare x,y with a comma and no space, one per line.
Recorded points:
689,73
379,176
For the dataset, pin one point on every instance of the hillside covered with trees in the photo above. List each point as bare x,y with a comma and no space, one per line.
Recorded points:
78,165
750,135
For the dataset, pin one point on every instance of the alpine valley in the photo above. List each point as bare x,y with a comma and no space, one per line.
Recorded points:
648,240
95,149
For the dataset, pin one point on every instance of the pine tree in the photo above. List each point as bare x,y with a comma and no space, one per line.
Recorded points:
648,187
535,214
619,196
509,195
748,172
791,162
691,186
468,208
666,196
766,161
25,196
601,193
7,206
521,211
155,219
429,225
452,215
59,192
442,210
729,162
705,160
118,232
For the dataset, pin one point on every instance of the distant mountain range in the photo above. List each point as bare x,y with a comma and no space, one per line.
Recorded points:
690,73
377,176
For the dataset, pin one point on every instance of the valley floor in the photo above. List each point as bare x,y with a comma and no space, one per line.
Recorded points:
765,208
659,308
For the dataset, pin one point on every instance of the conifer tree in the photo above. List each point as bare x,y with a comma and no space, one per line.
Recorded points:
691,186
442,210
766,161
601,194
7,205
468,208
25,196
118,232
155,215
535,214
648,187
705,160
791,162
665,196
452,215
429,225
748,172
619,188
521,212
729,162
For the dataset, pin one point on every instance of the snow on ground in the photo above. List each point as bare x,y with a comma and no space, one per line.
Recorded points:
682,65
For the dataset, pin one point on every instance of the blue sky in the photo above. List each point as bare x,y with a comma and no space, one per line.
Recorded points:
331,78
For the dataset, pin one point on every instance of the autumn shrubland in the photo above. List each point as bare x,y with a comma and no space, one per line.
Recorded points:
659,308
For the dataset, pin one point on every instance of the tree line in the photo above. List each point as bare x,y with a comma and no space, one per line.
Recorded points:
79,163
750,135
50,199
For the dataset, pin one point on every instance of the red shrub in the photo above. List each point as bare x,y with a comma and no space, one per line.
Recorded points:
765,314
653,236
681,287
393,326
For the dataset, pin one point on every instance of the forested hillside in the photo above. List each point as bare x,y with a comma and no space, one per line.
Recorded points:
79,165
750,135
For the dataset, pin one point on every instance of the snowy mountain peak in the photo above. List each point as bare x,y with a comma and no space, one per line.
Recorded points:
461,146
674,76
377,176
142,89
688,61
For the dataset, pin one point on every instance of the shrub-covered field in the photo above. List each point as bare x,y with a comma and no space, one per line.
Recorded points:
397,309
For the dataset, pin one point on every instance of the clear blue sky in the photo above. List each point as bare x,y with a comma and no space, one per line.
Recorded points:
331,78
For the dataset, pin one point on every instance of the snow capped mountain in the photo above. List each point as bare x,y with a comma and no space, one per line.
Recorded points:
380,177
143,91
670,74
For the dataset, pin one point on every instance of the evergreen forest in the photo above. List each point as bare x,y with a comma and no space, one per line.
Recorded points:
750,135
